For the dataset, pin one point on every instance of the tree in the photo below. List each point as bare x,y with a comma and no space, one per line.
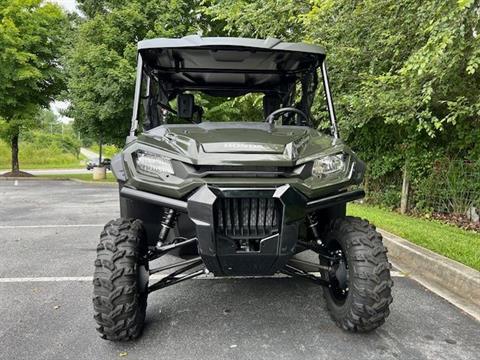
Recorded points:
31,36
405,74
48,121
257,19
101,64
405,78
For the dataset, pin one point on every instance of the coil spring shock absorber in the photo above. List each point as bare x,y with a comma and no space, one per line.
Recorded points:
169,218
313,228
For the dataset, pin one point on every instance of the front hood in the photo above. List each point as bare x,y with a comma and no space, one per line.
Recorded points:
239,137
208,140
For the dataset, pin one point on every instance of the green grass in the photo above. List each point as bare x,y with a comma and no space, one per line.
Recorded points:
108,151
74,164
447,240
35,157
86,177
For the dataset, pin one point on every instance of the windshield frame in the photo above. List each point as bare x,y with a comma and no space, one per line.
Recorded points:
145,73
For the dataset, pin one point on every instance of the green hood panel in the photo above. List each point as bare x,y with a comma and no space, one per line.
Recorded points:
239,137
246,142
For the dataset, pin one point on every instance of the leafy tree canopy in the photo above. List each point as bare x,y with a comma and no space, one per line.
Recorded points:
31,36
405,74
101,65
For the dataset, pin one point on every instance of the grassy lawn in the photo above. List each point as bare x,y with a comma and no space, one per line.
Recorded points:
86,177
64,164
447,240
108,150
33,157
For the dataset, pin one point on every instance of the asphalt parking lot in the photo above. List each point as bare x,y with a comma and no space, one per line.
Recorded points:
48,236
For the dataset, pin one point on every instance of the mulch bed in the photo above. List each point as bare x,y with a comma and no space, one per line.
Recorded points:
17,174
459,220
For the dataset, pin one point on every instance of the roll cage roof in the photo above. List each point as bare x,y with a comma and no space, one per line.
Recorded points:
198,41
224,66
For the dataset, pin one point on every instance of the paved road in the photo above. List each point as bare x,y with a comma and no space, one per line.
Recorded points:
89,154
49,230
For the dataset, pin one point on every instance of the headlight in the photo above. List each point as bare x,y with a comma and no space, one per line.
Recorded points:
152,164
328,165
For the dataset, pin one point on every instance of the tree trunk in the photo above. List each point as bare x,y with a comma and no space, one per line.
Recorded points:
405,191
14,145
100,153
366,183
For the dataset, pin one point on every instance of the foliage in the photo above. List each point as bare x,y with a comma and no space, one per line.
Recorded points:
453,186
245,108
405,79
387,195
41,149
50,144
48,121
405,74
101,65
257,19
108,151
411,93
31,36
62,143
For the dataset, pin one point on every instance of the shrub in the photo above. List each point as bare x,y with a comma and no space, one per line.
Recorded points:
453,186
38,148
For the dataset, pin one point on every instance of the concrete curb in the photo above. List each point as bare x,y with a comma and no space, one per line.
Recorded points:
30,178
38,178
457,283
103,183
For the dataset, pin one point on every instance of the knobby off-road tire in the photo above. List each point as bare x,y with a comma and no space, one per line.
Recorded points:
119,282
365,305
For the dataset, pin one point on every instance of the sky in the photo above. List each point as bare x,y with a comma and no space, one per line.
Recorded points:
69,5
57,107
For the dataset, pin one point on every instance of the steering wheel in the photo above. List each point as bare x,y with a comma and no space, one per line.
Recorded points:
270,118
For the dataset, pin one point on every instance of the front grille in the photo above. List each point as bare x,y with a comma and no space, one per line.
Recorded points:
247,218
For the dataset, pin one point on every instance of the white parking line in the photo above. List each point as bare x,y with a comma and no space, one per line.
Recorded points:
153,277
46,279
49,226
62,279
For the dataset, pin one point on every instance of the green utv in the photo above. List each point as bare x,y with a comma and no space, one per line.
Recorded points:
236,198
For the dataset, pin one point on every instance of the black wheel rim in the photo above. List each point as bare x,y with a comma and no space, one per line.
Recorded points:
338,275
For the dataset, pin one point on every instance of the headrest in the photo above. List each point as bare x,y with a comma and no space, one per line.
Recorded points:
271,102
185,104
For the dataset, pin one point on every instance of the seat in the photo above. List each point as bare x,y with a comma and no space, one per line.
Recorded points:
271,102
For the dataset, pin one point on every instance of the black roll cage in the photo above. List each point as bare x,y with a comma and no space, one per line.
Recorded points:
306,101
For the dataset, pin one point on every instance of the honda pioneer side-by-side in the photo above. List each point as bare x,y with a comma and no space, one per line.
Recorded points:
238,197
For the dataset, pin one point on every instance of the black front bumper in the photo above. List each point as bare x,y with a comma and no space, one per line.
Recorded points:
245,231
